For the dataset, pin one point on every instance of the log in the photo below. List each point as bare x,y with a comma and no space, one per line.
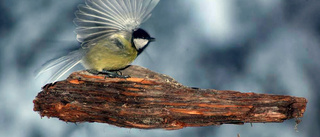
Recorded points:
149,100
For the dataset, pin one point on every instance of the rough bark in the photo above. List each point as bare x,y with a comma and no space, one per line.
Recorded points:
150,100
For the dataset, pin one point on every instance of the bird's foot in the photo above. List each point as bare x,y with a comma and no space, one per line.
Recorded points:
94,72
108,74
114,74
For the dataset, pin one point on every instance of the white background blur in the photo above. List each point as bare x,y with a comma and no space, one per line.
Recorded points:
262,46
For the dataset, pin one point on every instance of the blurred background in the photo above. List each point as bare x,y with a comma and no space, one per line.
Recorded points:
262,46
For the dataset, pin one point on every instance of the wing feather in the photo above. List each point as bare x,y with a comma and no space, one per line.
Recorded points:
64,64
101,18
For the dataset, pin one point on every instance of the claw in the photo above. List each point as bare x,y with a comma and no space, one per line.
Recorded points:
113,74
108,74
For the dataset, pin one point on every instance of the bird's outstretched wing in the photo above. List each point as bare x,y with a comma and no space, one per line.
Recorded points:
98,19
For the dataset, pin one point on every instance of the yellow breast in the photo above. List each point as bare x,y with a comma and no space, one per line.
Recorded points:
109,55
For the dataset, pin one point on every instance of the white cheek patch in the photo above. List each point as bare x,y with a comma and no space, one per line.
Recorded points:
140,43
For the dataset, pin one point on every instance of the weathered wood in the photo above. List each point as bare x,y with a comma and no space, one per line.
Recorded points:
150,100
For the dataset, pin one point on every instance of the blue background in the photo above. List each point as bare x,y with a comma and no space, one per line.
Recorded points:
262,46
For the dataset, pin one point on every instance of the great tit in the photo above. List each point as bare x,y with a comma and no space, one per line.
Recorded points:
110,36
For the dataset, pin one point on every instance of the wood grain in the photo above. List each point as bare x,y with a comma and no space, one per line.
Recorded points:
149,100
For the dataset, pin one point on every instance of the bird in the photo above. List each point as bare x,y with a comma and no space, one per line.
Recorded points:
110,36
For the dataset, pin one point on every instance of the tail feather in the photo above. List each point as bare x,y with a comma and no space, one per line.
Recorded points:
64,64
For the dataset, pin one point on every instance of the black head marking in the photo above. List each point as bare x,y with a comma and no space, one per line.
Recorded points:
141,35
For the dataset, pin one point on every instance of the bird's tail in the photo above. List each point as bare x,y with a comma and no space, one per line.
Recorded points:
64,64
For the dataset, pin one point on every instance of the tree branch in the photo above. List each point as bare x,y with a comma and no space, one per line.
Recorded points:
150,100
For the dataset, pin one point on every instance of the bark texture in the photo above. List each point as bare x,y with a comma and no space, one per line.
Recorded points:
149,100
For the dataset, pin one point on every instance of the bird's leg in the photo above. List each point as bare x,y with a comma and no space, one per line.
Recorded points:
92,71
113,74
108,74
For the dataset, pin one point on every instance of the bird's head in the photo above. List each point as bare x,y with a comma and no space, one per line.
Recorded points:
141,39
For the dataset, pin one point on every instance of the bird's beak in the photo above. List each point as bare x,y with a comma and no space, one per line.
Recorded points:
152,39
